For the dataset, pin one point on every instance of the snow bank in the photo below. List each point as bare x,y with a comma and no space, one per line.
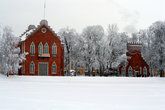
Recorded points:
81,93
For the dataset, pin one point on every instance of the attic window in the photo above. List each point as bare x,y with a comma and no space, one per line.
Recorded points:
43,30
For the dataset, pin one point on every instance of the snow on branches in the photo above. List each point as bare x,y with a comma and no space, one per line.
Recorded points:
10,52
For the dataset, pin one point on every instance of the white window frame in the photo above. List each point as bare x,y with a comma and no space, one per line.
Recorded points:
54,49
32,51
130,73
123,71
43,30
54,64
40,48
32,69
46,48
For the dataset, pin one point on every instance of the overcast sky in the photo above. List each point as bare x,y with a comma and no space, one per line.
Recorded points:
129,15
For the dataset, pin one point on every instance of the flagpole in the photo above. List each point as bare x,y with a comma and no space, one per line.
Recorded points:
44,8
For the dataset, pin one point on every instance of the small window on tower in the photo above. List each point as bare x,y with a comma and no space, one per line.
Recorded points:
137,64
43,30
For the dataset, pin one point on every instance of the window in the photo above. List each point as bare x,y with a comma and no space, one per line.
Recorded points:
32,49
43,30
137,64
144,71
54,50
130,71
40,48
123,71
46,48
32,67
54,68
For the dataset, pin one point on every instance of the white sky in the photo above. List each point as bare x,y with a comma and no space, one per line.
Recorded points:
129,15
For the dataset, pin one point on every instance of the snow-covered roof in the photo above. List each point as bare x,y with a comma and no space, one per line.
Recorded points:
31,29
26,34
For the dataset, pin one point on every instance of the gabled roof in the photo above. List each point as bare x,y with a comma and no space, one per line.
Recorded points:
32,29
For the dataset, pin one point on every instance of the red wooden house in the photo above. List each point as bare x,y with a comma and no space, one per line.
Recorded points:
46,51
136,65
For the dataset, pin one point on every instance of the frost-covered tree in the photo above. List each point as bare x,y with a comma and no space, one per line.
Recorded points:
92,36
78,53
69,36
101,56
10,52
116,46
157,30
153,46
0,50
145,37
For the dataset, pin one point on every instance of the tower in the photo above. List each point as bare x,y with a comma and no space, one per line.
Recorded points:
136,65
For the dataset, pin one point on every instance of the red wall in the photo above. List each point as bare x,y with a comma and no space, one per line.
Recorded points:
49,37
134,58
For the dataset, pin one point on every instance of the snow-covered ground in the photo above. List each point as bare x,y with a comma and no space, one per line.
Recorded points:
81,93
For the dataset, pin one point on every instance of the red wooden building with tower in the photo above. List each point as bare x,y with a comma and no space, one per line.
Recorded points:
46,51
136,65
